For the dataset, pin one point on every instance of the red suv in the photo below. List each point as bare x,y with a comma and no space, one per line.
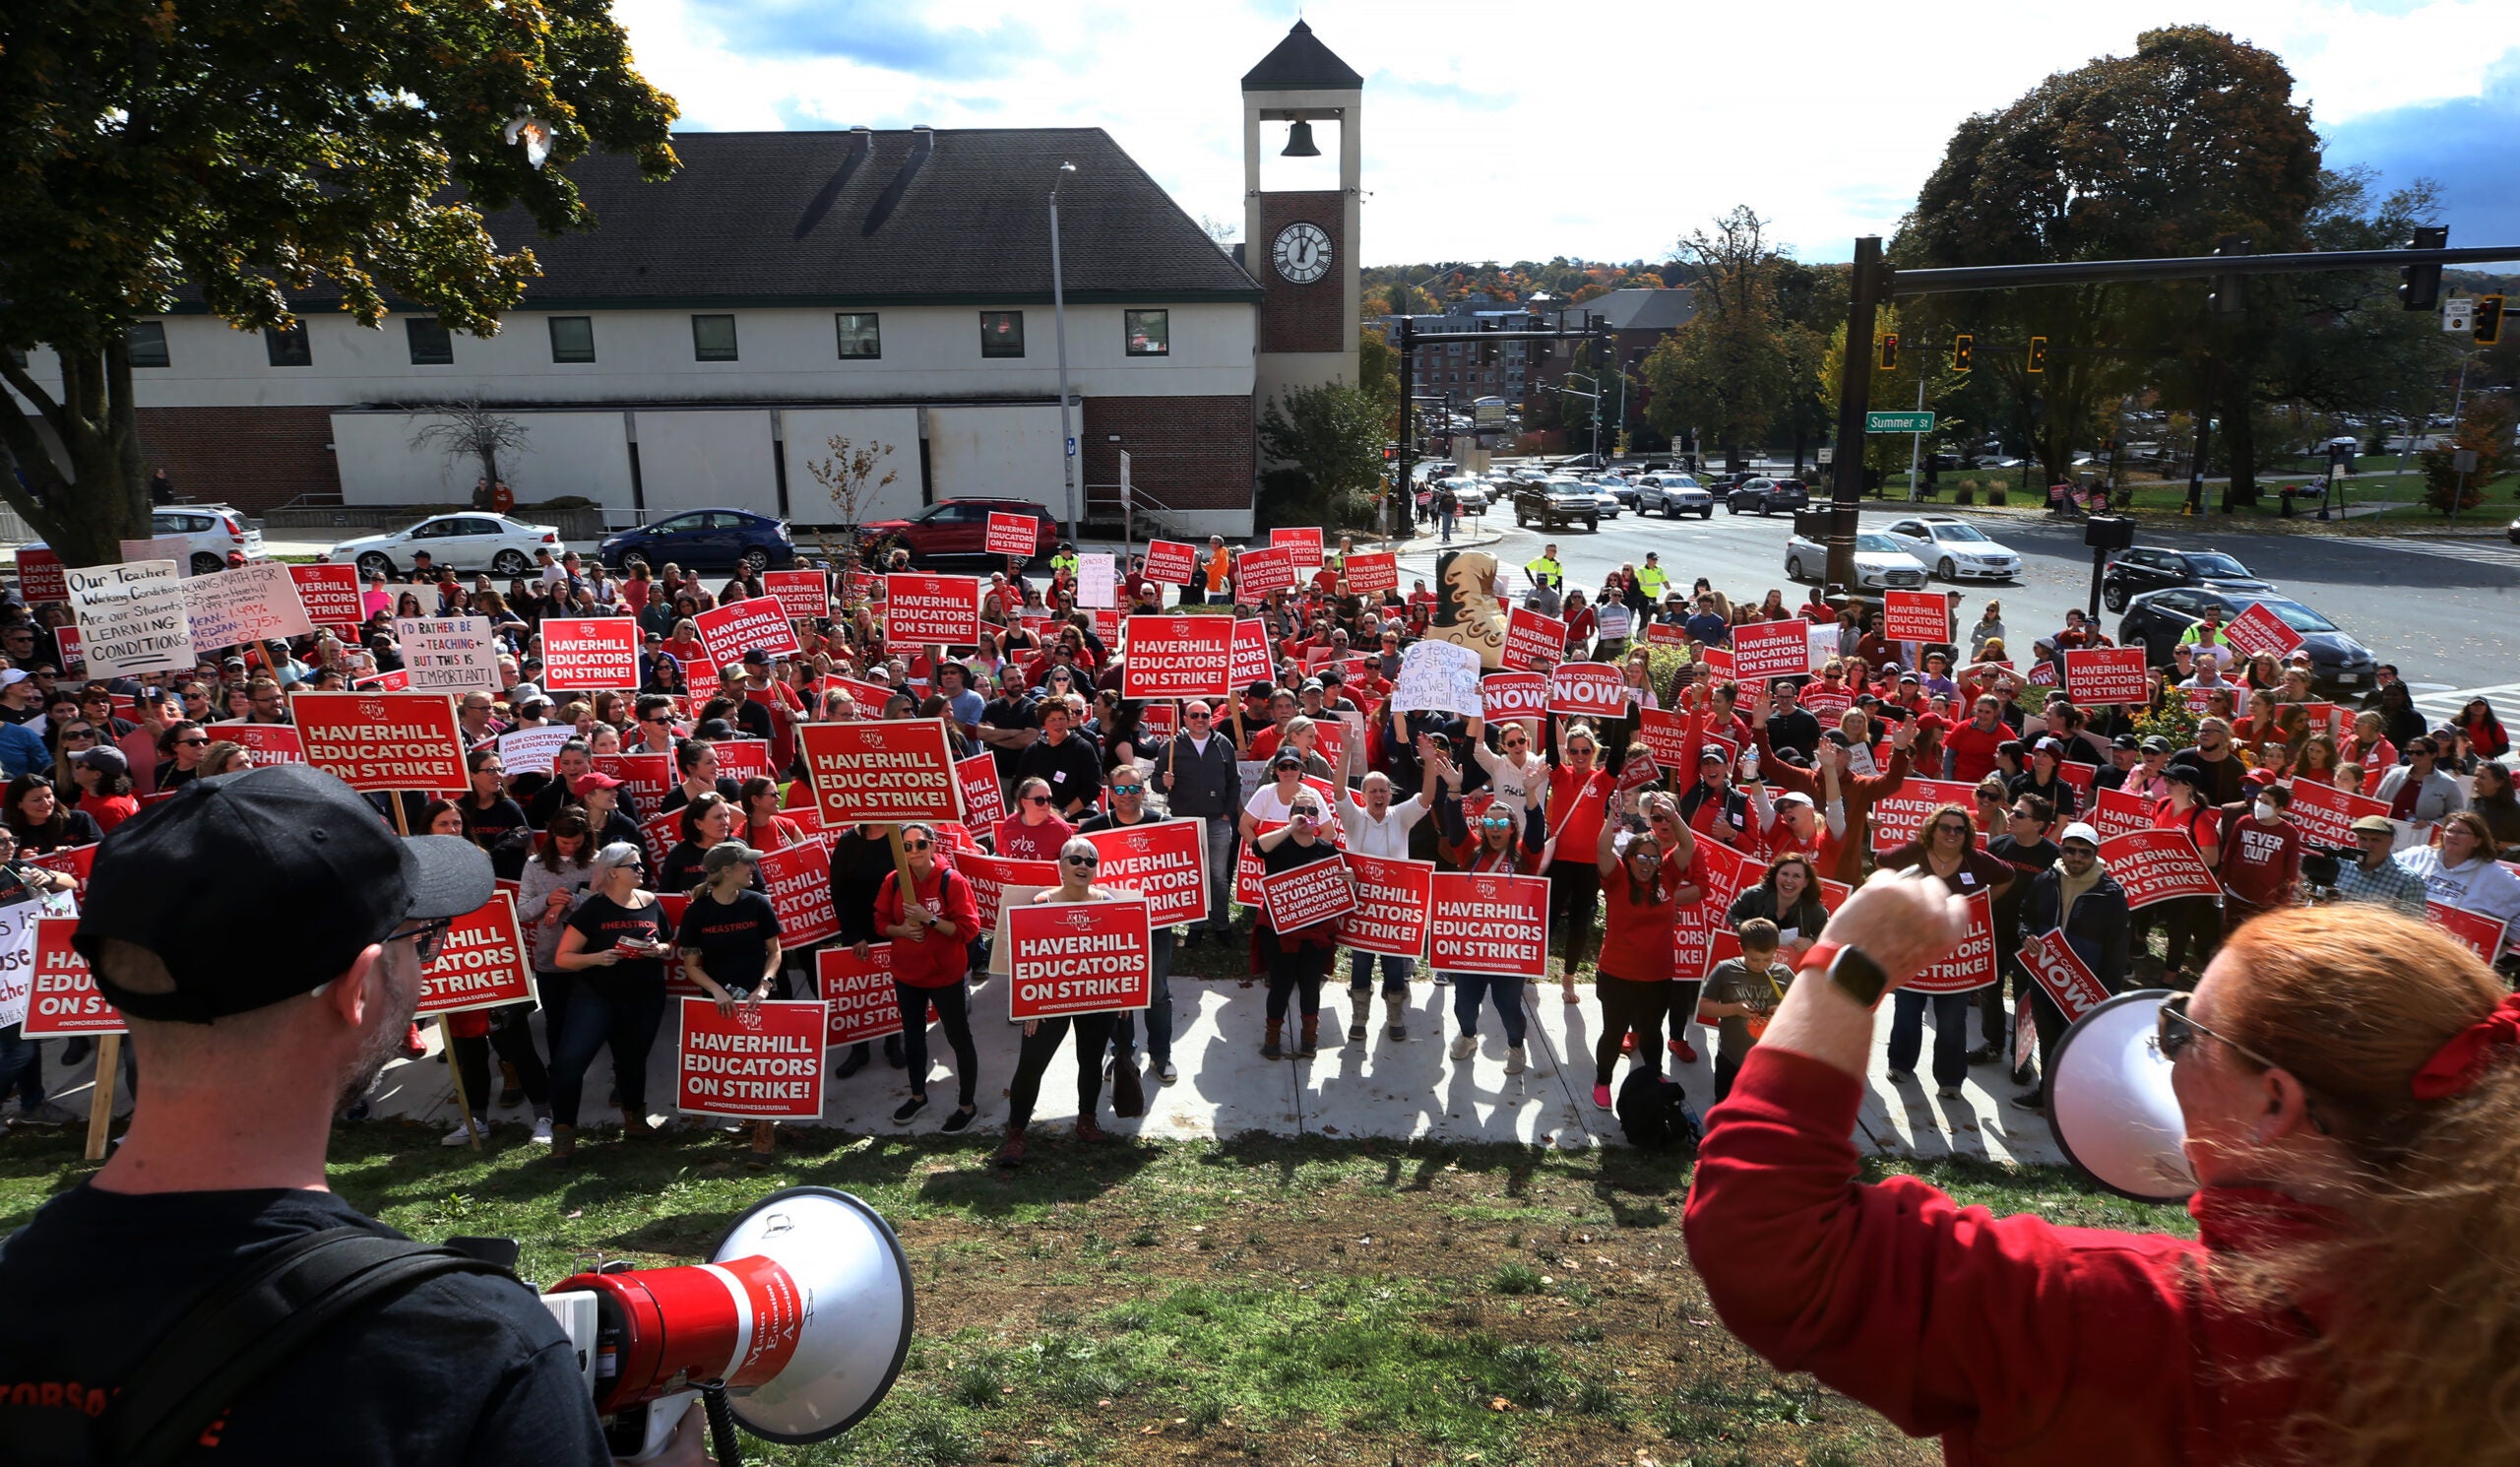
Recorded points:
958,529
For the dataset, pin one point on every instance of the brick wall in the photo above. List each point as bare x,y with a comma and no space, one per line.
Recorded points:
1189,453
253,458
1303,318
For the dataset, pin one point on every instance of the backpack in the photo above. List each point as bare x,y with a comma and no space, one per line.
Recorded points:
1654,1113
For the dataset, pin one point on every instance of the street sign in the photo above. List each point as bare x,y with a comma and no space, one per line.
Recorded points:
1897,423
2459,314
1071,446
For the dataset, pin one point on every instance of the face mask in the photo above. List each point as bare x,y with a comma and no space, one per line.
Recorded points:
2266,812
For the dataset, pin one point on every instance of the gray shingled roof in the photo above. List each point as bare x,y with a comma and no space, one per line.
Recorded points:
1302,63
1639,309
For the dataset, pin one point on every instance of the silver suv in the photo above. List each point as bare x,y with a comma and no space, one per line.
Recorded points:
1675,495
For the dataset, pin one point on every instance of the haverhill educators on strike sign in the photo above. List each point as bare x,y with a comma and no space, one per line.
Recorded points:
809,834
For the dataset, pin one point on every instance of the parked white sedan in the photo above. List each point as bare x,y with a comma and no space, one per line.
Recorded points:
470,540
1954,549
1879,563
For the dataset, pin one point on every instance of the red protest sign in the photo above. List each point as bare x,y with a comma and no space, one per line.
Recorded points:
2070,983
661,833
1260,572
1765,649
1913,617
2259,630
2326,814
1371,573
2106,675
858,994
1971,965
41,578
2482,934
1587,690
1671,737
1718,662
377,741
647,778
1250,656
1512,695
983,802
1665,634
1169,562
1487,923
1531,638
2156,866
931,610
2117,813
798,879
482,964
802,594
2078,775
991,877
329,592
1304,543
1177,656
880,772
740,759
1897,815
272,743
1166,862
1078,958
1394,899
62,996
591,652
762,1062
1305,895
1723,872
758,624
1693,925
71,860
1012,534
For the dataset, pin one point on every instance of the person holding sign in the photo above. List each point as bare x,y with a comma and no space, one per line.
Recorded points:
1077,861
1945,850
1642,886
1506,841
1742,995
1297,961
616,944
931,928
2462,872
2077,900
729,942
1578,798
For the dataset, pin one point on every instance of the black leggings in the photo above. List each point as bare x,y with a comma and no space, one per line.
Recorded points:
953,1010
2192,921
1574,891
1628,1006
1289,973
1041,1045
600,1015
514,1040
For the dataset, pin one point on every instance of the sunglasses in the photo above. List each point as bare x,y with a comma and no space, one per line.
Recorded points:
192,743
1037,799
1496,822
428,938
919,845
1196,718
1081,861
2173,1030
1946,828
1128,788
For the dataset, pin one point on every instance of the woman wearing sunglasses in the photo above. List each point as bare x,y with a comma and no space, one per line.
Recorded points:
2350,1085
1945,849
1035,831
1506,840
180,752
1043,1038
931,928
1578,798
1297,960
615,944
1643,885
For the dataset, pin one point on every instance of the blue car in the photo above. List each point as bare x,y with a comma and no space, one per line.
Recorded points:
704,540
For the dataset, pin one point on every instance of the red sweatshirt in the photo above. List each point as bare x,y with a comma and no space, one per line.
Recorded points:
2014,1340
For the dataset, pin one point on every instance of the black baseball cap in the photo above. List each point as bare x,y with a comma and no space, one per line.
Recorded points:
282,835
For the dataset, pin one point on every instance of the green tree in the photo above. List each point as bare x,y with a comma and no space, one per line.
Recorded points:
2485,429
1333,435
1725,371
255,155
1892,391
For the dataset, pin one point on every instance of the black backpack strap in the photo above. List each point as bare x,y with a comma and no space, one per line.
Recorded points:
245,1325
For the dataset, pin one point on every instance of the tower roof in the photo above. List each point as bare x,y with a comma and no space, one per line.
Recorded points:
1302,63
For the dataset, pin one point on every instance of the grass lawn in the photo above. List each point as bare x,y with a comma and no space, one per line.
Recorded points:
1267,1300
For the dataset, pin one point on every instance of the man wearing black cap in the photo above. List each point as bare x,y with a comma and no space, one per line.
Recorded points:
248,1052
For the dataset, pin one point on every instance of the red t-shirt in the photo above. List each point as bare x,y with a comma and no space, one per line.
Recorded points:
1575,809
1973,750
1025,841
933,961
2261,863
1636,942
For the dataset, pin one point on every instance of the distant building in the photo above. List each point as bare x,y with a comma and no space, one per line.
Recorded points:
1639,318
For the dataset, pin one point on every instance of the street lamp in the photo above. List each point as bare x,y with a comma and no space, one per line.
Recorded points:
1058,319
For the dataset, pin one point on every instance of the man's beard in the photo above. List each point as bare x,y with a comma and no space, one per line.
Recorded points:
385,1040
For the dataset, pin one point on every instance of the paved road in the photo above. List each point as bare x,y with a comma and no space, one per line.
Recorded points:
2445,612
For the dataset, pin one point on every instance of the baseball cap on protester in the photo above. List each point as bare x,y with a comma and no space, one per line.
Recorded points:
282,834
726,853
2078,831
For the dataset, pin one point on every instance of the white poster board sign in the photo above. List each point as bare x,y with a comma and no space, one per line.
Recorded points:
1095,580
132,617
256,603
1438,676
449,654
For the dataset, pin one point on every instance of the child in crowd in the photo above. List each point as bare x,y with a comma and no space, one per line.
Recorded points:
1740,995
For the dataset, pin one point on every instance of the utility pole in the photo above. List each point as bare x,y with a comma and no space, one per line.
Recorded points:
1854,391
1058,319
1917,439
2458,398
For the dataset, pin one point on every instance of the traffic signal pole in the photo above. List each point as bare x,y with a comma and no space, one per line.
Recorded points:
1854,393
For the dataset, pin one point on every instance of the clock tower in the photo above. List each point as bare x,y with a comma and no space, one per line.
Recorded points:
1301,246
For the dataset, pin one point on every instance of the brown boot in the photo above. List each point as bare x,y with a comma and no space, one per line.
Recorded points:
511,1087
635,1127
1010,1152
1270,1049
763,1140
1311,1044
564,1145
1089,1130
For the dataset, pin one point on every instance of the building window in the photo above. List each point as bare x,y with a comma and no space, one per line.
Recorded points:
1001,333
287,348
861,338
1148,333
573,338
431,344
712,338
147,345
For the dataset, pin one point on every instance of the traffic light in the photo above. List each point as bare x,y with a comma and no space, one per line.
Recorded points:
1889,350
1487,350
2421,286
2489,322
2037,353
2229,296
1960,346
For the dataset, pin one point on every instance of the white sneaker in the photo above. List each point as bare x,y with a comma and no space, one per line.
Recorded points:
542,1131
1465,1047
463,1133
1514,1064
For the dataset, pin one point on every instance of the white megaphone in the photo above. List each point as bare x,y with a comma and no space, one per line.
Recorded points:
2110,1102
795,1328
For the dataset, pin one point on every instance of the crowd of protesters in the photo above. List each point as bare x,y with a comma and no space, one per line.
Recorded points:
1296,768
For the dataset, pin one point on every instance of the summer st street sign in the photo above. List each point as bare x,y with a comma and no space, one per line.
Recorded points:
1897,423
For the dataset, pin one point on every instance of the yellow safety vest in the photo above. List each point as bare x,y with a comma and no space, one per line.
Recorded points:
1544,566
1651,580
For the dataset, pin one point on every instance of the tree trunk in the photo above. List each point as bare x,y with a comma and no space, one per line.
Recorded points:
2239,439
86,508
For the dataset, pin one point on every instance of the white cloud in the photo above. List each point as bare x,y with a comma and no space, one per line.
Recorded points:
1622,126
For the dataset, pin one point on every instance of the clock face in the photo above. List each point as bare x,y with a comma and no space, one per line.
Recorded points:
1302,253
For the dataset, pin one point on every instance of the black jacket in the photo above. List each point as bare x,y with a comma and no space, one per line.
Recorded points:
1204,785
2098,932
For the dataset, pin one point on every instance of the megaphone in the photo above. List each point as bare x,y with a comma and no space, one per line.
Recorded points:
795,1328
2110,1102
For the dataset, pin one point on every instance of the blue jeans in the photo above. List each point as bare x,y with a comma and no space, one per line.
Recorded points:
1158,1009
1395,971
1444,519
1221,840
1505,989
21,1067
1950,1033
624,1017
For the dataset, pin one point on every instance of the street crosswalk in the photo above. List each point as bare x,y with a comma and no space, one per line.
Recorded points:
2443,704
2473,551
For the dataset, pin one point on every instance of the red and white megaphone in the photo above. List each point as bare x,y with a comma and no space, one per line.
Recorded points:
798,1324
2110,1102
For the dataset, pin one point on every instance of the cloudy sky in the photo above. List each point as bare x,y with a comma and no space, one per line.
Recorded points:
1521,131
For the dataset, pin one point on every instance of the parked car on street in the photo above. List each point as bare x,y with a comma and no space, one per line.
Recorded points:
472,541
1767,495
1673,495
1619,486
957,530
1556,504
211,533
704,540
1601,493
2341,667
1471,494
2140,568
1954,548
1879,563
